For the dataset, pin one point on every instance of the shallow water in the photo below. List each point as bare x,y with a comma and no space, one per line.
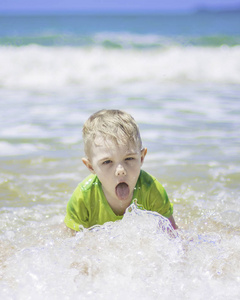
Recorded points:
185,98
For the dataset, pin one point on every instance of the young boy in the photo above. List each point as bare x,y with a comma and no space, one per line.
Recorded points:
114,156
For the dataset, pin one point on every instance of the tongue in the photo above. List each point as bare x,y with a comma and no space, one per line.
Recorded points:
122,191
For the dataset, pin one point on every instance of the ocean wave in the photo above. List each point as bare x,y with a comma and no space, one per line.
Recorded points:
50,68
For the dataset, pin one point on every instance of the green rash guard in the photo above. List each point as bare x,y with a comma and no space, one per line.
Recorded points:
88,205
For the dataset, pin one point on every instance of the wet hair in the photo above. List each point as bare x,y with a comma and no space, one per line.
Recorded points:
110,125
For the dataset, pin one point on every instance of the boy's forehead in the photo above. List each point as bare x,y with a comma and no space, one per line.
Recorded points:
106,147
112,143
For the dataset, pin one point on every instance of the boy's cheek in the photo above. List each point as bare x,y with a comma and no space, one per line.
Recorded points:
101,175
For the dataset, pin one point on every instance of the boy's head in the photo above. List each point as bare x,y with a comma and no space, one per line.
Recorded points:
115,126
114,153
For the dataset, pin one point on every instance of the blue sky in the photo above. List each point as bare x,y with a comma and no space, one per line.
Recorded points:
112,5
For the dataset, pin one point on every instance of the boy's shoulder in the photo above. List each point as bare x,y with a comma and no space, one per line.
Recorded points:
149,188
89,182
146,179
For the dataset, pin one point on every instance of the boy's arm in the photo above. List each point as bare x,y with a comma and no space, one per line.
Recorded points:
172,221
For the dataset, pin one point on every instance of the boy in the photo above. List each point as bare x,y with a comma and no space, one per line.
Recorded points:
114,156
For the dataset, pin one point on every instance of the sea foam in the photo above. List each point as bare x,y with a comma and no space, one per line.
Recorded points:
48,68
139,257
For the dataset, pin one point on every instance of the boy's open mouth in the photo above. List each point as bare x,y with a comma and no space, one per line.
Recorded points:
122,191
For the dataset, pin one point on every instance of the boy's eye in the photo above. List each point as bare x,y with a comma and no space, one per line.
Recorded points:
129,158
106,162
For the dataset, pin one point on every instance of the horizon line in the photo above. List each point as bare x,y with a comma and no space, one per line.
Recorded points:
121,11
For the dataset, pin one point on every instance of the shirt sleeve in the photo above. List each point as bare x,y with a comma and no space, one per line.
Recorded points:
159,200
77,213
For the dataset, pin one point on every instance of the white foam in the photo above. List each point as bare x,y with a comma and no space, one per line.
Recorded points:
7,149
24,131
140,257
51,68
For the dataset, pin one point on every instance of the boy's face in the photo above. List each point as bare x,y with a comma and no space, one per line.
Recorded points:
118,168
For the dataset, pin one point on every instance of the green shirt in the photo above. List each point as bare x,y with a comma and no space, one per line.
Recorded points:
88,205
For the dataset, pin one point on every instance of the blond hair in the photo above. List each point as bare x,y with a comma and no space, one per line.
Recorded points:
114,125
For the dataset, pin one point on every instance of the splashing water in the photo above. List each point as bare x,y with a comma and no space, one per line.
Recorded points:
139,257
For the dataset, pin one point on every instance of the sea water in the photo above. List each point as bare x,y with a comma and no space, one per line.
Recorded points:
179,77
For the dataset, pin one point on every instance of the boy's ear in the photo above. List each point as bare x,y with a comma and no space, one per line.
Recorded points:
88,164
143,154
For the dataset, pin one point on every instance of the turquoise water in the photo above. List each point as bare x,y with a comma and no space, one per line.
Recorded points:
179,77
201,29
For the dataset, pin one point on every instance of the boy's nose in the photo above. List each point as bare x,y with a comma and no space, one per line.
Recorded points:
120,171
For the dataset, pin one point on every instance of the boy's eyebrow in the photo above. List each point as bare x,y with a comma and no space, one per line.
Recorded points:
105,158
109,157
